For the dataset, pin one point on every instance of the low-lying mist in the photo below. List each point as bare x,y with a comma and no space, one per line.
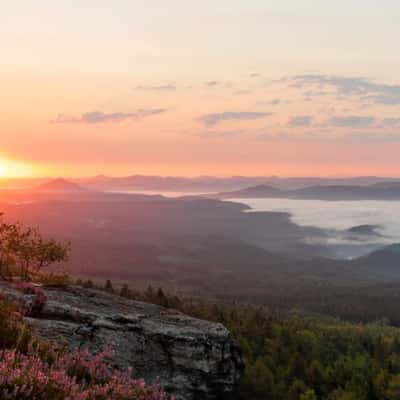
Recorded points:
354,228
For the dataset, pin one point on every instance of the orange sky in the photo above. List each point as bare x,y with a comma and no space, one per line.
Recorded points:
255,88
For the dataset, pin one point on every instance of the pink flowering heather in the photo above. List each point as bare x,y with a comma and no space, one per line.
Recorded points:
34,370
69,376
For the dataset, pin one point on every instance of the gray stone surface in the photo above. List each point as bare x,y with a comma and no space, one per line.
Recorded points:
192,358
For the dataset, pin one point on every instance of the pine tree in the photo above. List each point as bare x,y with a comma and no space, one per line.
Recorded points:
108,286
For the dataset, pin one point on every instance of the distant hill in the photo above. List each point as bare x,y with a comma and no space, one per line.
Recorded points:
204,184
255,192
387,191
367,230
342,192
59,186
381,263
200,184
388,185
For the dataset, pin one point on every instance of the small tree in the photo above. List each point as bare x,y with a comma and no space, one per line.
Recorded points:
88,284
125,291
25,252
109,286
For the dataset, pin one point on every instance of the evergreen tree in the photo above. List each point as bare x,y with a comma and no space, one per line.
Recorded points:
125,291
109,286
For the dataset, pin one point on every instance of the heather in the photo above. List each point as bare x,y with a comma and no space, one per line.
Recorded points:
34,370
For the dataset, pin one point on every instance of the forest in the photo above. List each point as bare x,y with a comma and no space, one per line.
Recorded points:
342,345
297,355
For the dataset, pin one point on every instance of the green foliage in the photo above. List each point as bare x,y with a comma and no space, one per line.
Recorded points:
307,357
55,279
298,356
393,388
13,333
25,252
308,395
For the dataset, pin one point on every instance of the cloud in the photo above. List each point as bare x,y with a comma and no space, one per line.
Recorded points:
314,93
300,121
332,137
379,93
372,137
306,136
160,88
282,136
213,83
350,121
391,122
216,118
242,92
98,117
275,102
221,134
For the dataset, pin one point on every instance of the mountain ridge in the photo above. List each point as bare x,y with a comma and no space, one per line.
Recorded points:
59,185
387,191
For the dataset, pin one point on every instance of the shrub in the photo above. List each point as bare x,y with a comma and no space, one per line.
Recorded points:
39,298
55,279
77,376
11,326
26,252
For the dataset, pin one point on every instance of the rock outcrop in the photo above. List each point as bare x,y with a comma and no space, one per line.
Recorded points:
192,358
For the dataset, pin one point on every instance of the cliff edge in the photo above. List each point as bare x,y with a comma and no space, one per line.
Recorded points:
192,358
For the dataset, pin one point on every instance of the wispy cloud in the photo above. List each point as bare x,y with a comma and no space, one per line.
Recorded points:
346,121
273,102
221,134
217,84
391,122
379,93
97,117
300,121
350,121
212,83
242,92
287,137
216,118
370,137
160,88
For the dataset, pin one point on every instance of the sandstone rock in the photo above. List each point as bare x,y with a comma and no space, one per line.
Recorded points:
192,358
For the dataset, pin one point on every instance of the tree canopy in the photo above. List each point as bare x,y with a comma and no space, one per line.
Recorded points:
24,251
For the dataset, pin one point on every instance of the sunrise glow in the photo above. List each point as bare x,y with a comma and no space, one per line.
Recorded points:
200,88
14,169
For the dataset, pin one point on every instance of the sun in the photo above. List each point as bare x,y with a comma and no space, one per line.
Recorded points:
13,169
3,170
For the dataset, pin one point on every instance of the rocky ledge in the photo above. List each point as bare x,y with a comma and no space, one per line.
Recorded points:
191,358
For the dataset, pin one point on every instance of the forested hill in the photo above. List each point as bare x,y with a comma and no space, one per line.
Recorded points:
299,355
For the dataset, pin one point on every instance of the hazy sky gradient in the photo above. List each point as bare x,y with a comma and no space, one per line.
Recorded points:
253,87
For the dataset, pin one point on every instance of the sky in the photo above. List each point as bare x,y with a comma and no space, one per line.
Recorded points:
184,87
